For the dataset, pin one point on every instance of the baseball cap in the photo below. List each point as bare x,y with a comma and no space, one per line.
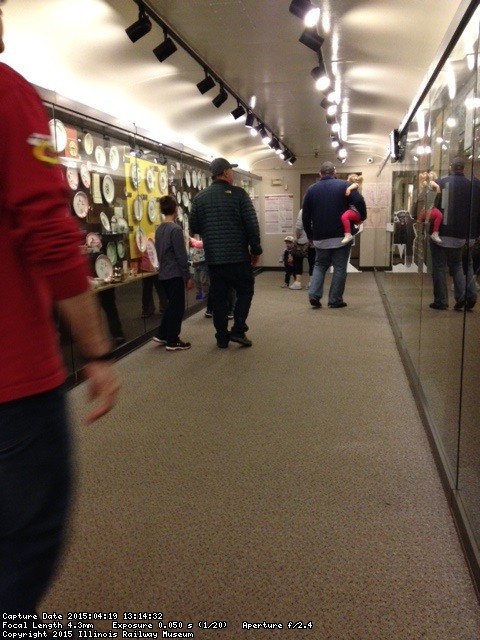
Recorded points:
289,239
219,165
458,164
327,168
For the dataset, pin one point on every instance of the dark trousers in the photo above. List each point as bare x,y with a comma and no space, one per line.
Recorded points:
109,305
171,324
34,493
224,277
148,305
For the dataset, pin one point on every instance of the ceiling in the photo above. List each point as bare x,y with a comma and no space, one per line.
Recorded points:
379,50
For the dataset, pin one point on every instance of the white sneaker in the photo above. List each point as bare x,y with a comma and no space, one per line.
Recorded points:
295,285
347,238
435,237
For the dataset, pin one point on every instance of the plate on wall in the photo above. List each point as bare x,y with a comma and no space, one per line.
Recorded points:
138,208
162,181
121,249
85,176
80,204
58,134
141,240
108,189
179,197
72,178
194,179
88,144
188,178
112,252
152,253
152,209
100,156
105,222
150,179
122,225
103,267
135,175
114,158
93,241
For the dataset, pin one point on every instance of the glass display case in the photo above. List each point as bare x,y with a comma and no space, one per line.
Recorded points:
441,347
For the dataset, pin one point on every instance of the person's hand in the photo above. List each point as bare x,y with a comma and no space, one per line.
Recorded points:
254,260
189,284
103,386
290,260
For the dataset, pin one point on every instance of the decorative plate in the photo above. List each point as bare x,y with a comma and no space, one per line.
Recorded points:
162,181
121,249
103,267
141,240
188,179
58,134
114,158
72,178
100,156
152,209
122,225
80,204
105,222
108,189
179,197
150,179
204,180
88,144
138,208
194,179
85,176
152,253
135,175
185,199
93,241
174,189
112,252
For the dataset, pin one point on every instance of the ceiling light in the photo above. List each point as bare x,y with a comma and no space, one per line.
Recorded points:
291,160
332,110
311,39
300,8
266,137
319,74
220,98
342,153
286,155
206,84
324,103
336,127
330,119
139,28
238,112
165,48
250,120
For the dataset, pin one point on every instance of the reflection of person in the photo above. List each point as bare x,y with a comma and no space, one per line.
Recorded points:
302,240
434,215
108,302
42,269
460,206
200,269
324,203
224,216
350,216
148,283
174,275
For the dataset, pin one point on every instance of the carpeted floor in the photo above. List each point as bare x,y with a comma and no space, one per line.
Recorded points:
287,482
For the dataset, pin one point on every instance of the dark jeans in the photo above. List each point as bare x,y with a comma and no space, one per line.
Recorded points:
148,305
109,305
171,323
326,258
224,277
463,283
35,485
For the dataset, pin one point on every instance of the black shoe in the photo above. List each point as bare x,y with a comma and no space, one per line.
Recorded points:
470,304
222,344
241,339
440,307
459,305
337,305
316,304
208,314
178,346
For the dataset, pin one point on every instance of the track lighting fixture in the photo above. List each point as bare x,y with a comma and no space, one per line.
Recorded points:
206,84
238,112
311,39
319,74
286,155
220,98
249,120
304,10
165,48
141,27
291,160
330,119
266,137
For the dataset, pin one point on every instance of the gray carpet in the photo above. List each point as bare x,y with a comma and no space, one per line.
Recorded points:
287,482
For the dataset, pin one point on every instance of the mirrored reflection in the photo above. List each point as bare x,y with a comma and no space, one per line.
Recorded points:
432,284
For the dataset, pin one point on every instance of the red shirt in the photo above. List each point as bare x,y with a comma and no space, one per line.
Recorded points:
40,259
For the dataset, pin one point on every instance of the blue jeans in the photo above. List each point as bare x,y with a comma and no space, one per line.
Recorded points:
35,481
443,257
324,259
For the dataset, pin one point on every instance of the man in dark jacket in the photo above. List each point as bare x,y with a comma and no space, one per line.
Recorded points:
324,203
224,216
460,205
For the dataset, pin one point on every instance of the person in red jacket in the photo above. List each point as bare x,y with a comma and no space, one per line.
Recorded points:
42,269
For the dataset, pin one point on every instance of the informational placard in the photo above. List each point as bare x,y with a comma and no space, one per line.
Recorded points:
279,213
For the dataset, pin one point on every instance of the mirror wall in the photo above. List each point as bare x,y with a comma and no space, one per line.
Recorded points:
115,179
443,345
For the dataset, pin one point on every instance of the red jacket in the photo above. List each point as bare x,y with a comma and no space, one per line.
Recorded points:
40,259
